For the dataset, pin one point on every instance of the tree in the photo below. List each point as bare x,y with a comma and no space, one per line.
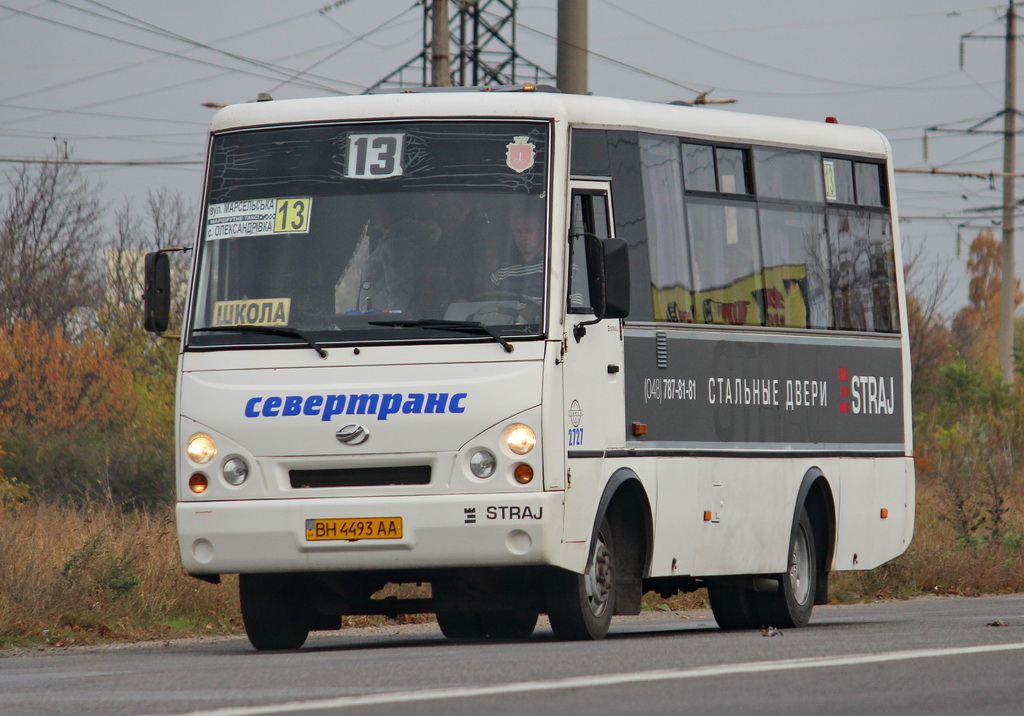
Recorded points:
976,326
929,333
146,473
52,384
166,222
64,407
49,237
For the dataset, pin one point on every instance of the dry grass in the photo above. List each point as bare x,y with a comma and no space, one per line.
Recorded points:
80,575
77,575
939,562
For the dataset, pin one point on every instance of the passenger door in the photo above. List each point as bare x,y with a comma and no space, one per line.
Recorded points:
591,364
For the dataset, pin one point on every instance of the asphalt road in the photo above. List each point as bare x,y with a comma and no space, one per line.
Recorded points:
928,656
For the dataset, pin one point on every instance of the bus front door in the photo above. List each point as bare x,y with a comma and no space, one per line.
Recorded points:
593,396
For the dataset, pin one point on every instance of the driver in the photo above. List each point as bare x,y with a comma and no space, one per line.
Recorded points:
525,275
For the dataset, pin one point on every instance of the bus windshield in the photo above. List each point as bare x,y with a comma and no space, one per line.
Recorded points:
374,232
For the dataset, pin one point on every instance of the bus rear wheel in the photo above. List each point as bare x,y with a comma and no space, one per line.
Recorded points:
499,625
461,625
580,606
510,624
734,607
739,607
792,604
272,612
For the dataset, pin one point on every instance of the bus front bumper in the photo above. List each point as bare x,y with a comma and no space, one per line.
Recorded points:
246,536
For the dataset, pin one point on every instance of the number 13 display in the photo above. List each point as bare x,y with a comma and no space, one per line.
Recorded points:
374,156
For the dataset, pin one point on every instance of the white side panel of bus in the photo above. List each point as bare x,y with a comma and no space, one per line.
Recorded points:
750,502
875,512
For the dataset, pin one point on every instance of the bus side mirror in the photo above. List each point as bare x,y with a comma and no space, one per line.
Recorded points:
156,294
608,260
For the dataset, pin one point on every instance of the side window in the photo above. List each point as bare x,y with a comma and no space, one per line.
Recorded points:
797,292
727,273
699,167
788,174
589,216
725,170
838,174
669,255
732,170
869,184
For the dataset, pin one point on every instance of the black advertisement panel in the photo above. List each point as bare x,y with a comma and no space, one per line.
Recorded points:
724,390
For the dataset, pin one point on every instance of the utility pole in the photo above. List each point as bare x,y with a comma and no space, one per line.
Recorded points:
572,46
1008,277
440,57
1007,294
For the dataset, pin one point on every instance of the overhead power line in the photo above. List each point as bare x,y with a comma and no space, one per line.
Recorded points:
266,66
104,162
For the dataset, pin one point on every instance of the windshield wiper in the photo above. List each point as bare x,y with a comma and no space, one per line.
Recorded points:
443,325
269,330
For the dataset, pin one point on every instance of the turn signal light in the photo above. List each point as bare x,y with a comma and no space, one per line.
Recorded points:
523,473
198,483
885,513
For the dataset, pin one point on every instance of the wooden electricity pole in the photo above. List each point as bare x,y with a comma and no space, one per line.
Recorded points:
1008,277
1008,289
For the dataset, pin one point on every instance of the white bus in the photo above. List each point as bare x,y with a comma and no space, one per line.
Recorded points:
544,353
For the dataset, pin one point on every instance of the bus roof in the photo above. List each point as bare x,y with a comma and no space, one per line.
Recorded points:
577,110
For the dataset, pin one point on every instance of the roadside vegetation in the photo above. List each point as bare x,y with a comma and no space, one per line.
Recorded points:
87,541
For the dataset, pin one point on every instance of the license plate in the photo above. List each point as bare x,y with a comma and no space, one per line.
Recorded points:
354,528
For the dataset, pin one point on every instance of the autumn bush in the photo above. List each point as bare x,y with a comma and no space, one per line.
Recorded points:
73,423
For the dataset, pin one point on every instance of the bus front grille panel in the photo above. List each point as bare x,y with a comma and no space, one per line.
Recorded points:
361,477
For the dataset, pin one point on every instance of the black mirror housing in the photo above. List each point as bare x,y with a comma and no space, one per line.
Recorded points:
616,277
608,260
156,295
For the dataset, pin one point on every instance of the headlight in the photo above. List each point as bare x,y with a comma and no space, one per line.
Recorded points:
482,463
235,471
200,448
520,438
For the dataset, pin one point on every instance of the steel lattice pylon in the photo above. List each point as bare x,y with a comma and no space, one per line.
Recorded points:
483,49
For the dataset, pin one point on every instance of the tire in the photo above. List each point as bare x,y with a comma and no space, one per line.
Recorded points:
501,625
734,608
510,625
792,604
272,612
580,606
461,625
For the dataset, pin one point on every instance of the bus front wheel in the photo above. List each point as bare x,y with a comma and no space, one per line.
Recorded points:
580,606
272,612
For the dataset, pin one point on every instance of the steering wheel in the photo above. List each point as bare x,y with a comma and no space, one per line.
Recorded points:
527,310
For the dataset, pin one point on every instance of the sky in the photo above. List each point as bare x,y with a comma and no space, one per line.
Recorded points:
123,87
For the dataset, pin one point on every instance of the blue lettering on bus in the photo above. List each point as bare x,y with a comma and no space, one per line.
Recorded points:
381,405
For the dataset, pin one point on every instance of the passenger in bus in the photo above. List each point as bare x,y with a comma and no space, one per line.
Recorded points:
463,218
402,270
